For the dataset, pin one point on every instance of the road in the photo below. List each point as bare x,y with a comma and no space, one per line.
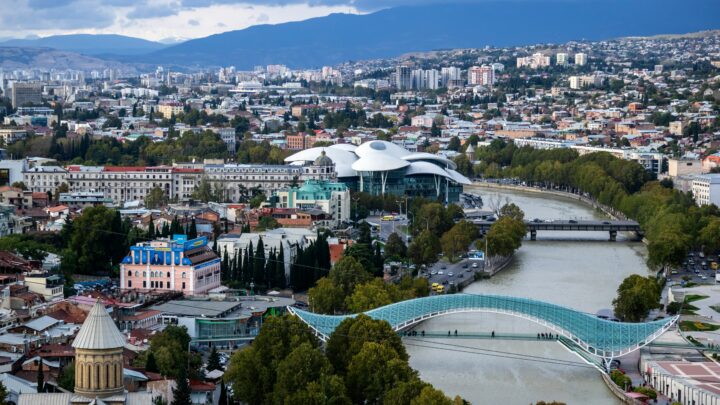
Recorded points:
398,226
458,270
693,270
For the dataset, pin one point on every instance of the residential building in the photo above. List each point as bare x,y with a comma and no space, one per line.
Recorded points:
581,59
561,59
12,135
537,60
44,178
450,74
403,78
82,199
706,189
26,93
481,75
169,108
684,167
187,266
579,82
50,286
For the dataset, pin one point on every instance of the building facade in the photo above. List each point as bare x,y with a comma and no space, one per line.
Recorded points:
187,266
706,189
333,198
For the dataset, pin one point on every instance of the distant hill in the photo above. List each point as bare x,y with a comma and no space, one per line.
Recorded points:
88,44
21,58
341,37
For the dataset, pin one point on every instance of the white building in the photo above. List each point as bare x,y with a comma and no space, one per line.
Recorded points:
581,59
561,59
706,189
535,61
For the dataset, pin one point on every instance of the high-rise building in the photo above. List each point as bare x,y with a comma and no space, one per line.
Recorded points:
432,77
561,59
535,61
481,75
425,79
581,59
450,74
403,78
26,93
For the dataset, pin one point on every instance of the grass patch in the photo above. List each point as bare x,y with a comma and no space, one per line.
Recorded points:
694,326
715,308
689,309
695,297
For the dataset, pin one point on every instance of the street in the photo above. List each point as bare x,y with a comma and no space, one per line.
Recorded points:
453,273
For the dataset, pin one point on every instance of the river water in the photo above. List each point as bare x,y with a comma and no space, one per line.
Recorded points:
560,267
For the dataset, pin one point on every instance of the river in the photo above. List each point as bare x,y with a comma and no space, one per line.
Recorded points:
560,267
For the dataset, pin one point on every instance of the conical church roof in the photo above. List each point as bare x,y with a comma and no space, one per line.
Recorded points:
99,331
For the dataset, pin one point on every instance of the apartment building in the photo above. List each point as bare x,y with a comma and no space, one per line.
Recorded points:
581,59
579,82
706,189
26,93
561,59
168,108
44,178
481,75
684,167
11,135
535,61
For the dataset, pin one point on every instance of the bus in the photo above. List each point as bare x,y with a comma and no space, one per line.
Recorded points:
388,218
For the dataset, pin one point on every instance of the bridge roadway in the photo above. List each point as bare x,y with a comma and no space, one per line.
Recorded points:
530,337
612,227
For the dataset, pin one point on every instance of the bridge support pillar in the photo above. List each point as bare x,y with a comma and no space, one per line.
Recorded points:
533,234
613,236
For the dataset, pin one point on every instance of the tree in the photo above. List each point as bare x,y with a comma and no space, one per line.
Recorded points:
505,236
424,249
150,363
192,229
637,295
347,273
223,400
458,239
305,364
213,360
513,211
66,377
96,238
395,247
181,392
266,222
40,376
373,371
257,200
349,337
326,297
454,144
203,191
156,198
3,394
709,237
368,296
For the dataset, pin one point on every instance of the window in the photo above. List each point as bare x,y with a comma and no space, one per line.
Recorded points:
129,283
183,285
137,273
144,284
129,273
183,276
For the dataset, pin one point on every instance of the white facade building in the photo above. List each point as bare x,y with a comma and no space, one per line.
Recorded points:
706,189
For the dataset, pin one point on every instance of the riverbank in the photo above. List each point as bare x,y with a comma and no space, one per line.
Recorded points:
558,193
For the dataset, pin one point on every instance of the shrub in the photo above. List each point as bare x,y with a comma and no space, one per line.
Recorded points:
647,391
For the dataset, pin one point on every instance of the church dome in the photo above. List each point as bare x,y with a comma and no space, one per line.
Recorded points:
98,331
323,160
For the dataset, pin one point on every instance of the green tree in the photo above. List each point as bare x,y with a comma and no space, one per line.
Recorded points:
326,297
203,191
3,394
709,237
150,363
257,200
266,222
395,247
348,338
181,392
505,236
40,376
375,370
424,249
347,273
458,239
66,377
305,364
156,198
97,237
637,295
213,360
368,296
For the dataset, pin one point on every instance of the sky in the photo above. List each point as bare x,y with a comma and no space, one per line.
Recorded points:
163,20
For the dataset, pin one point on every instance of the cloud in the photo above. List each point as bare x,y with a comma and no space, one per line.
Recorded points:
154,10
64,16
194,23
262,18
49,3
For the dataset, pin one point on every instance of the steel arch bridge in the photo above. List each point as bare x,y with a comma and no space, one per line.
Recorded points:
595,336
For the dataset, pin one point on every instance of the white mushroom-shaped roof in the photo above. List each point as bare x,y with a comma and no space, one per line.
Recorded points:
459,178
429,156
380,148
344,146
380,163
98,331
426,168
342,159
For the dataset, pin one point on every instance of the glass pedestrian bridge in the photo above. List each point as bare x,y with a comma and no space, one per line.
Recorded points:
599,337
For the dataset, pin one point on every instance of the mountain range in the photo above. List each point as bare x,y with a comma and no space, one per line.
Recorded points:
337,38
107,45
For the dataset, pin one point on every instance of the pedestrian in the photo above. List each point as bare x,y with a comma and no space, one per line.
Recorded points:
422,332
492,334
455,332
448,333
538,336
